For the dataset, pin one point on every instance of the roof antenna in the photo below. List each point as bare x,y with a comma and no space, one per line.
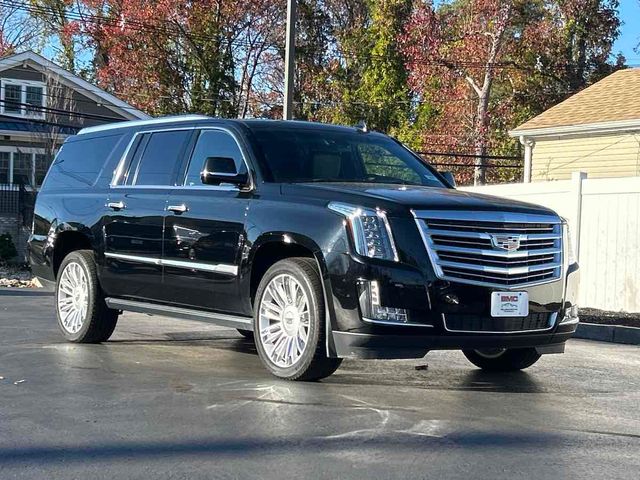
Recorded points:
362,126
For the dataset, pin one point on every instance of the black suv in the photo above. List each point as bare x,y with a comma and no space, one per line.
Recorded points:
320,242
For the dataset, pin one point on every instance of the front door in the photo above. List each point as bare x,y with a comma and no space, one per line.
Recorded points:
134,227
204,231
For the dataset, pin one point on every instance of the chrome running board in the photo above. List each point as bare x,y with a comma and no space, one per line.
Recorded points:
222,319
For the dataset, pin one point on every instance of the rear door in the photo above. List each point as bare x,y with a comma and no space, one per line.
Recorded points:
205,230
134,226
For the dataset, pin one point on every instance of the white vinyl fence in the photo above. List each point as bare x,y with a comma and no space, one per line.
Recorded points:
604,217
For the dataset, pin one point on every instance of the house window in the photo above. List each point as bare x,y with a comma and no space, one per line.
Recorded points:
12,98
26,99
26,167
33,100
5,160
22,168
41,167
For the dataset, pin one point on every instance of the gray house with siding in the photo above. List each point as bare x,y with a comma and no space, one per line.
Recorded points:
41,104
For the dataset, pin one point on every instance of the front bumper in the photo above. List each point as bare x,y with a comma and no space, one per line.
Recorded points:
428,303
396,346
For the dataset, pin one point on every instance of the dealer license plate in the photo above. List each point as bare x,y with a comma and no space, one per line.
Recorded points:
509,304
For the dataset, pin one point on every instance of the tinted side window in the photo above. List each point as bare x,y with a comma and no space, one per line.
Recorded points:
161,157
212,143
79,163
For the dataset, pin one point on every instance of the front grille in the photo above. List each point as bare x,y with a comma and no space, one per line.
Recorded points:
475,323
497,249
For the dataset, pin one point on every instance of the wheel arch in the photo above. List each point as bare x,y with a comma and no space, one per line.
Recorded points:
270,248
273,247
69,239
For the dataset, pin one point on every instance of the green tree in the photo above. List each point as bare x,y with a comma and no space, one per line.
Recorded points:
383,93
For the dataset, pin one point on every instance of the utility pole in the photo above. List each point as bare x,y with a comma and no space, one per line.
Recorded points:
290,61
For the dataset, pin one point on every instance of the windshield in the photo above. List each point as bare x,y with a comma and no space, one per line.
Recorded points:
322,155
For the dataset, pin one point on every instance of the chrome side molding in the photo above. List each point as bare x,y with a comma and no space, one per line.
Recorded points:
186,264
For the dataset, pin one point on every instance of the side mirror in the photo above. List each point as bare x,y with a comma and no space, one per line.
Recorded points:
219,170
448,176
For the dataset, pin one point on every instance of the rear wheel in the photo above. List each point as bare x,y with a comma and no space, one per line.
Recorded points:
503,359
83,316
289,322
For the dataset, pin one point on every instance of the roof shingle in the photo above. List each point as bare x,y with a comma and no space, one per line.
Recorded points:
612,99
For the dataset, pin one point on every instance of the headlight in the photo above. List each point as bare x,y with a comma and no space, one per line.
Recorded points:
371,231
567,241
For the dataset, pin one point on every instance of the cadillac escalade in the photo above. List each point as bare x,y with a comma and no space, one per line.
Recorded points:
319,242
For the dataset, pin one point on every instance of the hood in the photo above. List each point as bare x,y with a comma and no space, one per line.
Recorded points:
415,197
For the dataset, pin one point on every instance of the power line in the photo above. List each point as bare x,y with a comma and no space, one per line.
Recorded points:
123,23
471,165
60,111
136,94
471,155
39,122
173,28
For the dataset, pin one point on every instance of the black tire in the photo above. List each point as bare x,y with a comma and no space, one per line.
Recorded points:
510,360
248,334
99,322
313,363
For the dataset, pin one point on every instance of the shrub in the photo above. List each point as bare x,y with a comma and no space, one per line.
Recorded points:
7,248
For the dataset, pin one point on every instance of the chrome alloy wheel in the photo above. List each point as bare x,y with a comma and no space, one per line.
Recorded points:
73,297
284,320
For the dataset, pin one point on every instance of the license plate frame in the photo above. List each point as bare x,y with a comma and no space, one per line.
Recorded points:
509,304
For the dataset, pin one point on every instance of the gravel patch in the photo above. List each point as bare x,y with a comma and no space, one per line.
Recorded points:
16,277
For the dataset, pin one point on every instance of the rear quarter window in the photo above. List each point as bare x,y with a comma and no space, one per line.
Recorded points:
85,163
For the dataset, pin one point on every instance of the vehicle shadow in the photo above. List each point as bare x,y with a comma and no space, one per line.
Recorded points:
231,342
363,372
438,379
501,382
257,447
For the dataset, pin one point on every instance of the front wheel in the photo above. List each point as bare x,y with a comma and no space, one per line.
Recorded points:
83,316
289,322
503,359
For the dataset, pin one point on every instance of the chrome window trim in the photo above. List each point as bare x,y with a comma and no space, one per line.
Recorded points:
118,172
142,123
395,324
244,160
178,187
552,323
491,216
189,265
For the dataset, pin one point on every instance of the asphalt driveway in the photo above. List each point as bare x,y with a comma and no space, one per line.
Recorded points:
180,399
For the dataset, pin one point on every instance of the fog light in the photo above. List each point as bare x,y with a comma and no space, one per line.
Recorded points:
373,310
570,314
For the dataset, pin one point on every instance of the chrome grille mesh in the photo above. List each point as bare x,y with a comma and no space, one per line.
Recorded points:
493,248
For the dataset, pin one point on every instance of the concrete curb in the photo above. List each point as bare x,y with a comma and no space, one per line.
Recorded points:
25,292
608,333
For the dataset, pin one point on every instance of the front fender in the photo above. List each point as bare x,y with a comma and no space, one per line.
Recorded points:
316,229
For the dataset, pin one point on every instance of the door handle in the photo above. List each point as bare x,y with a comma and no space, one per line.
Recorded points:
177,208
116,205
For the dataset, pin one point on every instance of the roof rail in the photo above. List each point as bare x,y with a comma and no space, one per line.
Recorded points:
141,123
